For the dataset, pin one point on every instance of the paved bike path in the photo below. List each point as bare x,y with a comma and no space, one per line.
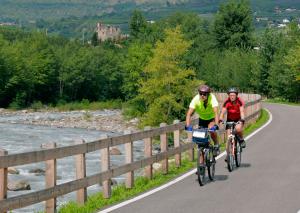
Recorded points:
267,181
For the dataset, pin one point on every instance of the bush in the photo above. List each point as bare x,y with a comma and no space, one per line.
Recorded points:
36,105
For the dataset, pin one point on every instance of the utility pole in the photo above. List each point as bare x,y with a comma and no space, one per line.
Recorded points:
83,32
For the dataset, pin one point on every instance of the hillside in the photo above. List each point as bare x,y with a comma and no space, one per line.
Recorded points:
71,17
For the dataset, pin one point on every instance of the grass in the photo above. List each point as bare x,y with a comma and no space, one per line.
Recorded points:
83,105
142,184
281,101
86,105
120,193
263,118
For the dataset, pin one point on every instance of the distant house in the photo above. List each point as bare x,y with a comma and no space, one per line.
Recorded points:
258,19
106,32
281,25
285,21
7,24
151,22
277,10
290,9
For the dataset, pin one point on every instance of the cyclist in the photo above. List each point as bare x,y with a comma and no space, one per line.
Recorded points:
205,104
234,106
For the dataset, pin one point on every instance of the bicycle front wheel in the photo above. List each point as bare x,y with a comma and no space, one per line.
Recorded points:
200,168
211,164
230,156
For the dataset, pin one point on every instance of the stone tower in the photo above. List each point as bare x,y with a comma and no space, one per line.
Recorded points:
106,32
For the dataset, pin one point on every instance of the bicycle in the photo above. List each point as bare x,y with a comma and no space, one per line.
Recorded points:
205,154
234,150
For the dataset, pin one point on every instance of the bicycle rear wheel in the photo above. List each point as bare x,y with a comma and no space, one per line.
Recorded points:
200,169
230,156
238,154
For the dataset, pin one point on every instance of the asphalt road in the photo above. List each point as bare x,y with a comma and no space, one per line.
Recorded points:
267,181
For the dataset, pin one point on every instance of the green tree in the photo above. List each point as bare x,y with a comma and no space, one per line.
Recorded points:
167,88
94,39
293,61
234,67
195,29
137,24
283,70
284,75
134,64
233,25
272,42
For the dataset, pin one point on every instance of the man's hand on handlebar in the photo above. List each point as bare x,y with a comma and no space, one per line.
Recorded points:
188,128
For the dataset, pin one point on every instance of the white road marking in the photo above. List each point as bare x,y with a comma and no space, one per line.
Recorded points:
181,177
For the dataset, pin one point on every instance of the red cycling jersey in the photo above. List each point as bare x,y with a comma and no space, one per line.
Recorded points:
233,109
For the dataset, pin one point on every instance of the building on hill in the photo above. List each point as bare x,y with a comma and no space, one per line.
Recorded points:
106,32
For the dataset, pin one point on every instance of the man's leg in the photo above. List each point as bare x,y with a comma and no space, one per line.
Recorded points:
239,131
214,137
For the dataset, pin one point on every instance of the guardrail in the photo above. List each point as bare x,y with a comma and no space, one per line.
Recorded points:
50,153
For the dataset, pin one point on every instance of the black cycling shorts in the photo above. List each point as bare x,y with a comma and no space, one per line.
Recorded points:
229,120
204,123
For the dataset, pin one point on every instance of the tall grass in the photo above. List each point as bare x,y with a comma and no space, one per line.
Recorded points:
282,101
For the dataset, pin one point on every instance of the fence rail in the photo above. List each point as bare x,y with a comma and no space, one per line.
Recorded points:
50,154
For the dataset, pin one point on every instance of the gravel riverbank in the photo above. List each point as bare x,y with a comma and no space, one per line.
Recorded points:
103,120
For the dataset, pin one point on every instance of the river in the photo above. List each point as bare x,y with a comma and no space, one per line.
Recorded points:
17,138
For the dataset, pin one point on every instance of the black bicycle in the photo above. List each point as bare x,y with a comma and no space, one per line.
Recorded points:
205,154
234,150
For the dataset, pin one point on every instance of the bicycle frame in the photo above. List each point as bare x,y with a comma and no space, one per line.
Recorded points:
205,155
233,149
231,137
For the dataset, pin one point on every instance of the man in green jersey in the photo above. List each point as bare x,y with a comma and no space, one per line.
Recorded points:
205,104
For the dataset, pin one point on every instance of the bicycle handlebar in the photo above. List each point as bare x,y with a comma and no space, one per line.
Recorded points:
190,129
231,122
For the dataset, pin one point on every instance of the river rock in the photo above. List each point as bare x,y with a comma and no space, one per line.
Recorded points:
156,166
37,171
115,151
13,171
171,161
18,185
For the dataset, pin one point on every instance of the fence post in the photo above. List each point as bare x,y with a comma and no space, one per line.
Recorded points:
81,194
50,175
3,178
129,182
177,144
148,153
105,165
164,148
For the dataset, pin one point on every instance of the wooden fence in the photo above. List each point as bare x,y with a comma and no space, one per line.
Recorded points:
50,153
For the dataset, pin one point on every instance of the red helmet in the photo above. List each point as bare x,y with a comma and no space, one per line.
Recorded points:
204,88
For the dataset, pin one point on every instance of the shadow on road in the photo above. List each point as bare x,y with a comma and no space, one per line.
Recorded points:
245,165
216,178
220,177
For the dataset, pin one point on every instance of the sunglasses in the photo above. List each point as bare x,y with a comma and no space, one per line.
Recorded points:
203,93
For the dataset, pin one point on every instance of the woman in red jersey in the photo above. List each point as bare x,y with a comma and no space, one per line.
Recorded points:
234,106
